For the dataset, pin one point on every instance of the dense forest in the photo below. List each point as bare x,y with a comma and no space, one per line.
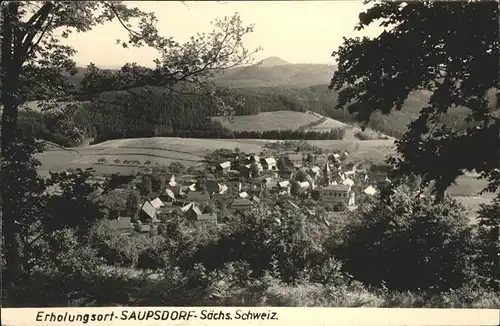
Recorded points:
116,115
113,115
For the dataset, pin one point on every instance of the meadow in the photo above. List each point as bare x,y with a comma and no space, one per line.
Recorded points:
277,120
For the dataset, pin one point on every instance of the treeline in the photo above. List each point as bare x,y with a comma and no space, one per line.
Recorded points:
334,134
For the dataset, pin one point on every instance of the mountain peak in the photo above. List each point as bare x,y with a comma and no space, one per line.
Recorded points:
272,61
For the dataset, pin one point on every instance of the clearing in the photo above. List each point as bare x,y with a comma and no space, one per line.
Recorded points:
277,120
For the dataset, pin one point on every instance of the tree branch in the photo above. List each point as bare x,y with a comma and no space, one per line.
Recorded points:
35,24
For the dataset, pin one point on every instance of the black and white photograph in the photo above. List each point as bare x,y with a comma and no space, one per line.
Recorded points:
250,154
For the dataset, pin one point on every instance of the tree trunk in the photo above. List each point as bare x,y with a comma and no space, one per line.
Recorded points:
9,81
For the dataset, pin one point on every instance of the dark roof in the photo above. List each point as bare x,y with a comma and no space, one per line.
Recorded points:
337,188
197,196
241,202
207,217
121,223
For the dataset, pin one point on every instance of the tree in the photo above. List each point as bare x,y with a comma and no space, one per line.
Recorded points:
390,238
132,204
448,50
146,186
117,161
35,65
254,170
489,243
301,176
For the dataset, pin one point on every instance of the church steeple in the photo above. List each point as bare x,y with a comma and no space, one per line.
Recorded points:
327,174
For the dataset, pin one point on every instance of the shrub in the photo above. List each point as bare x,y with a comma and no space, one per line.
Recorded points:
409,243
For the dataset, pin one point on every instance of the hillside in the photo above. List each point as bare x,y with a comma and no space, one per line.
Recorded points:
272,71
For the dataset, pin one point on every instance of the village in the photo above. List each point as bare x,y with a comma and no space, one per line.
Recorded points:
233,183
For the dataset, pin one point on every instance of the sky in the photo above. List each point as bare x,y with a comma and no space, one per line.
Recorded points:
295,31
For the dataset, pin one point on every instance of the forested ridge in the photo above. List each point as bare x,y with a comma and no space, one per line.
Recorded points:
119,114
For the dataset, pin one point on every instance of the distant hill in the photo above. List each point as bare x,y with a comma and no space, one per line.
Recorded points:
272,61
272,71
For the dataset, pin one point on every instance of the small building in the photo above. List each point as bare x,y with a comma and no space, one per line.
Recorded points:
348,182
315,171
192,187
370,191
223,167
304,185
148,212
207,218
193,212
172,182
157,203
168,196
337,194
223,189
243,194
269,163
240,204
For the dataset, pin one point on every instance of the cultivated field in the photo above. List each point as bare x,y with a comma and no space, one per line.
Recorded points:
191,152
278,120
161,150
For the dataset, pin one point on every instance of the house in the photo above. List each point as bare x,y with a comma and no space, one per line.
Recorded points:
223,167
269,163
192,213
253,158
348,182
315,171
303,186
256,199
210,218
223,189
166,211
240,204
157,203
370,191
168,196
186,207
192,187
284,184
336,194
177,190
142,228
255,189
148,211
172,182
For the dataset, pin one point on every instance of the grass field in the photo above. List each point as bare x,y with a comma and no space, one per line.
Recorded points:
278,120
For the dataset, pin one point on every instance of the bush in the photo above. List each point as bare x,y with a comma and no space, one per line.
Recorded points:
409,243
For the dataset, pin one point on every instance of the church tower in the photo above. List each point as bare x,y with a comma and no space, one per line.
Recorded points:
327,174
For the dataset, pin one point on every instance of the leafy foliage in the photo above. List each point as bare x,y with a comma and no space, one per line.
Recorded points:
408,242
446,48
